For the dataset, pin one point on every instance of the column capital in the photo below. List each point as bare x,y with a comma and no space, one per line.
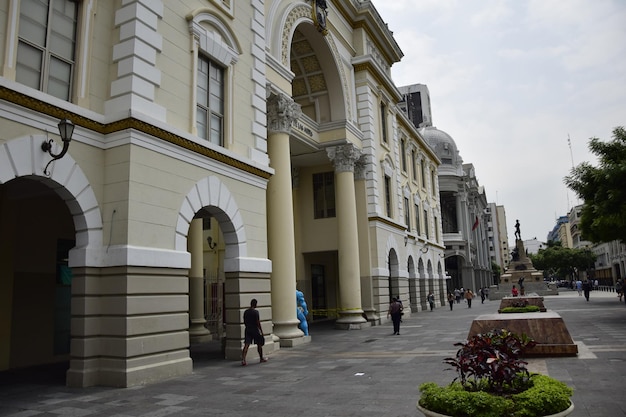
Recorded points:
344,157
281,112
360,167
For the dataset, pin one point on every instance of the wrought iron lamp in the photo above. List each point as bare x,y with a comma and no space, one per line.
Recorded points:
66,129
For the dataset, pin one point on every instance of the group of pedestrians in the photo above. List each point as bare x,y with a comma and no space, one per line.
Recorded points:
584,288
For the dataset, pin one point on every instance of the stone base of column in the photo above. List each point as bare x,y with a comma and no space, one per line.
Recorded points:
372,317
295,342
124,373
351,320
199,334
289,334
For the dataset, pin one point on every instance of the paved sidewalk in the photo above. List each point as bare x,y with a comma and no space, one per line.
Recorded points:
346,373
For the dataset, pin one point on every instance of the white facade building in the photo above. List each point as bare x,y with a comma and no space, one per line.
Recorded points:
223,150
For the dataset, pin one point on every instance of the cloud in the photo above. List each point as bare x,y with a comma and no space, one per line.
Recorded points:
509,81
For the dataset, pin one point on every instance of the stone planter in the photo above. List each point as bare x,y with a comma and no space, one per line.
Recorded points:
429,413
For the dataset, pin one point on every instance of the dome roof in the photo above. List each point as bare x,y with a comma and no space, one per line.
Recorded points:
442,144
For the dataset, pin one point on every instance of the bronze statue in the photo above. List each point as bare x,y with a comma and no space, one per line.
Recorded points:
518,235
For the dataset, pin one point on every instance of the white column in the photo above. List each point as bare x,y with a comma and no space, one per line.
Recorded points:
367,291
281,111
350,311
197,331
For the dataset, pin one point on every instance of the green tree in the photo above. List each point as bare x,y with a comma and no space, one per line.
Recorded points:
603,216
564,263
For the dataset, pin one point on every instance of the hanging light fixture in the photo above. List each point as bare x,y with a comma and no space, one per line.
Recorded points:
66,129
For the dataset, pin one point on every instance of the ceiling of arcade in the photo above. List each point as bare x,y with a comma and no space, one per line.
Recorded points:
309,87
310,91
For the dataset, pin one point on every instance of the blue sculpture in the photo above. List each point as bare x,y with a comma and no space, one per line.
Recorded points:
302,312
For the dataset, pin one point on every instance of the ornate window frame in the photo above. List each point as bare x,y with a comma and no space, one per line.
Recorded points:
212,38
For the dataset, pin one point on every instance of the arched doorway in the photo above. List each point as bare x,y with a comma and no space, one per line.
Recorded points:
211,200
37,235
44,219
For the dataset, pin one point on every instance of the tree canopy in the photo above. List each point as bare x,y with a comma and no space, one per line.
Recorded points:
603,190
557,261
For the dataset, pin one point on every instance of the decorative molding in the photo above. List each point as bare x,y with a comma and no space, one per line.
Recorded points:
361,166
127,123
282,111
344,157
297,13
319,13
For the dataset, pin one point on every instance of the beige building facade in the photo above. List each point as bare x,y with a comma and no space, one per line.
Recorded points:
222,151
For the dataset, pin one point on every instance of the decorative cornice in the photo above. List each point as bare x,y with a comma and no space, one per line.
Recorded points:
128,123
377,74
386,221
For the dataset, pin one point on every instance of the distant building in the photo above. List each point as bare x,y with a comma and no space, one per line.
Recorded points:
574,220
610,262
561,232
533,246
416,104
497,236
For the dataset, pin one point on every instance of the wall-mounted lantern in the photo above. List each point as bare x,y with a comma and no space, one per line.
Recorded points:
66,129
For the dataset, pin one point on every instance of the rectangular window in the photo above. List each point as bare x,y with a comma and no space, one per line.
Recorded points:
383,122
403,154
436,229
413,165
318,290
432,181
407,213
423,174
324,195
210,104
417,219
388,196
47,45
426,224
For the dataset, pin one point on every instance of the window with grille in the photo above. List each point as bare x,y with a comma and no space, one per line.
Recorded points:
47,46
210,101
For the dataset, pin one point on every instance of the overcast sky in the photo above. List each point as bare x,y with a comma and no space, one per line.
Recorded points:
510,81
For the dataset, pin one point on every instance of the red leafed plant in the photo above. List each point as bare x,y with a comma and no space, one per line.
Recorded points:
491,362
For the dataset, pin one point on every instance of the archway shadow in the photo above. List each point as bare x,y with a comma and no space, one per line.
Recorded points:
48,374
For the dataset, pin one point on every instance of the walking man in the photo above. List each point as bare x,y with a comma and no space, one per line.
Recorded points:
395,310
469,295
253,332
586,288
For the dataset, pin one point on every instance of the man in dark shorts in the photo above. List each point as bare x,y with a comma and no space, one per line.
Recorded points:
253,332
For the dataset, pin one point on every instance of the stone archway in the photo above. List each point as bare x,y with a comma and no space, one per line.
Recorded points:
242,273
66,191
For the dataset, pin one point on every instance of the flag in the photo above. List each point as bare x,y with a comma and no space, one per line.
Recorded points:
475,224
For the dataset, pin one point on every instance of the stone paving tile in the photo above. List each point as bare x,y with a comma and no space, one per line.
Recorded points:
361,373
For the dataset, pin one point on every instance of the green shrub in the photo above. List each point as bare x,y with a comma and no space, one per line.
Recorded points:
546,396
526,309
493,381
453,400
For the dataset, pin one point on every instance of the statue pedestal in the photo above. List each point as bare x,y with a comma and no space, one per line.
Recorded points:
521,267
547,329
